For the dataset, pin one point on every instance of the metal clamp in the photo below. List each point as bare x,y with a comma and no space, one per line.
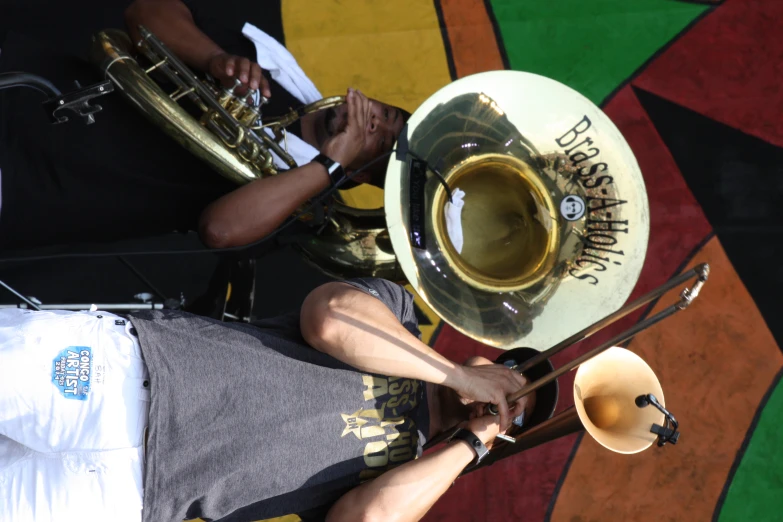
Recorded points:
77,101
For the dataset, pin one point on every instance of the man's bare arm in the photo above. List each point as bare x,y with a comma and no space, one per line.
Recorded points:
255,210
360,330
172,22
420,482
406,493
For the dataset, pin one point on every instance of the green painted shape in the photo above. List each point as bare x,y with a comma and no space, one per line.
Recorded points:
590,45
756,492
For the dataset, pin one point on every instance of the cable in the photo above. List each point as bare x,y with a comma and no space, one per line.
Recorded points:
32,81
141,276
20,296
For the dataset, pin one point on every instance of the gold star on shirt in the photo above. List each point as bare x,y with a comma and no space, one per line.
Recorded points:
353,423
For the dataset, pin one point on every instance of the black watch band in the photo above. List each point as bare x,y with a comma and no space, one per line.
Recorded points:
475,443
335,170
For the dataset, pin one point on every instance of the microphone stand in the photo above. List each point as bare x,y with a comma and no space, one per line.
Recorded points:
77,101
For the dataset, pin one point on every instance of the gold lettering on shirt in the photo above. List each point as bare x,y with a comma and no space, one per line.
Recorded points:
369,432
397,388
354,423
390,438
376,454
393,422
402,438
401,454
374,386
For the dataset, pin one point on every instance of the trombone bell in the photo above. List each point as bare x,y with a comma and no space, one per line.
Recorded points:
605,390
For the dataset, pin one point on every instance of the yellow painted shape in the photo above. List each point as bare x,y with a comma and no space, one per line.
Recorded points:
427,331
391,51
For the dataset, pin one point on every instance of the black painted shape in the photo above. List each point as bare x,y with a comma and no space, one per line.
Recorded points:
421,317
498,35
738,181
444,34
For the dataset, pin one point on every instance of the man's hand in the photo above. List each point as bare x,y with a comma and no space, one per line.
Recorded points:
491,384
228,67
487,427
345,146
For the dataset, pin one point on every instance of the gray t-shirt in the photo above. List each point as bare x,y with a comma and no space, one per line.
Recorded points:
248,422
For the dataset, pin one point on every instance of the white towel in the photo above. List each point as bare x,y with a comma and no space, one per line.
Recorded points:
283,68
453,211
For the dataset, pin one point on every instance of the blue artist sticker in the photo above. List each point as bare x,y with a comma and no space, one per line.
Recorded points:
71,371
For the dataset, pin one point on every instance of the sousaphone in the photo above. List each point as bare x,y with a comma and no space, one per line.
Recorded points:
513,207
519,213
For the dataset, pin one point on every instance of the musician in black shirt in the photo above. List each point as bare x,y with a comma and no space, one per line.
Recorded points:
123,177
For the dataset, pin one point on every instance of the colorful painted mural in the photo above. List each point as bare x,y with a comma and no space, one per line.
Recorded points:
695,88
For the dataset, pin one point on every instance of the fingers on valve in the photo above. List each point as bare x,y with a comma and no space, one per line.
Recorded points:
244,70
230,66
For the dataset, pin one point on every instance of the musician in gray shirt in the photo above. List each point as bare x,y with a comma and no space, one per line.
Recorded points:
323,412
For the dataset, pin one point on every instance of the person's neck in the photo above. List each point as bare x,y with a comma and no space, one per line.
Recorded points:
446,409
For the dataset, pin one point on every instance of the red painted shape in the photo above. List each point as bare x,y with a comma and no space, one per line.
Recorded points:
728,67
521,487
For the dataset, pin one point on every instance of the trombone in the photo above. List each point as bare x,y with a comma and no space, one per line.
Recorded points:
620,419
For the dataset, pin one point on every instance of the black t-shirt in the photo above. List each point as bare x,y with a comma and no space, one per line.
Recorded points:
248,422
122,176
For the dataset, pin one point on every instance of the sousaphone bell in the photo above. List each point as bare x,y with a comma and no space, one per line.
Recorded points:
516,209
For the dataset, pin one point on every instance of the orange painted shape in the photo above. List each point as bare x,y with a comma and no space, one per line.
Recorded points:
474,47
715,361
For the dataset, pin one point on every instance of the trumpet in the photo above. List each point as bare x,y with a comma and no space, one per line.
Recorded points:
231,135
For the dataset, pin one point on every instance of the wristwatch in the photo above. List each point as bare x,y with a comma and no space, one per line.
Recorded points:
335,170
475,443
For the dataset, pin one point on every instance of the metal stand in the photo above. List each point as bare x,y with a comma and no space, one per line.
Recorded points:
77,101
144,302
117,307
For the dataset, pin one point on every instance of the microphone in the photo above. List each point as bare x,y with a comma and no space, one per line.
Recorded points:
669,431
